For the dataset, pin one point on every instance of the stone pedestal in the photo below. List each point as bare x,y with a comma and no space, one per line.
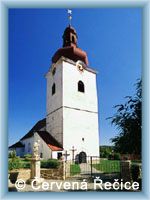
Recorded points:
35,168
35,171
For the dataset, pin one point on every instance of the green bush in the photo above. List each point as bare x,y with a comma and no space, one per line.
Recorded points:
14,163
110,156
12,154
104,154
17,163
50,163
117,156
25,165
26,156
105,151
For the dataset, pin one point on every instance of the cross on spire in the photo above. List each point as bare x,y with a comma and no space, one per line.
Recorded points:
69,16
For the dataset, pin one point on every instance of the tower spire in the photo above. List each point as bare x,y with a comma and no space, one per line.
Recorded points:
69,16
70,48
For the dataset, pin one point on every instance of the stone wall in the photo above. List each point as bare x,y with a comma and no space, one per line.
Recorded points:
57,174
25,174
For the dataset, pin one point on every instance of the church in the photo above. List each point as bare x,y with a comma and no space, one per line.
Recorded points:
71,123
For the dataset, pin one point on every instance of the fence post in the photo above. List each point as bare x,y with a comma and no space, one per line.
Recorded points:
64,170
125,170
91,164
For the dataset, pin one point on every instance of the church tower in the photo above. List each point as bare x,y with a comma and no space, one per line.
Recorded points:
72,105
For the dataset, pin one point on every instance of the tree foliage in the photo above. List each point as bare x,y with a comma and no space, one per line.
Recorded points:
105,151
127,120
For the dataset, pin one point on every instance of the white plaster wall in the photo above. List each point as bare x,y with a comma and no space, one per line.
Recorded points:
72,115
80,111
78,125
54,101
54,117
54,154
26,142
19,152
43,148
71,96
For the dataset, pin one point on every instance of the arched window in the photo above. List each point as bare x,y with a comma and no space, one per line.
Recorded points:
53,89
80,86
73,39
54,71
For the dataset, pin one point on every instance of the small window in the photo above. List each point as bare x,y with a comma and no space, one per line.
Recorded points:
73,40
80,86
54,71
59,155
53,89
41,155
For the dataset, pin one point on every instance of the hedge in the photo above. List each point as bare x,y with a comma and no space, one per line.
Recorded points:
50,163
17,163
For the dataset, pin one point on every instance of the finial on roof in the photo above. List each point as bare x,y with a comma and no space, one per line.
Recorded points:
69,16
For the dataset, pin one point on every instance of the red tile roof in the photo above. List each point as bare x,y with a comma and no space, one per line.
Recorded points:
52,143
54,148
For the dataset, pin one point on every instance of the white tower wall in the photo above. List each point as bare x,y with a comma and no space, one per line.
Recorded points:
80,113
54,119
72,116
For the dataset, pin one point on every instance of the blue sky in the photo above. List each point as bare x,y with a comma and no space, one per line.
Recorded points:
112,38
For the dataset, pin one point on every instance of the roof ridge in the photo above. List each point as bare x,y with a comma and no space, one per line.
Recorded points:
30,133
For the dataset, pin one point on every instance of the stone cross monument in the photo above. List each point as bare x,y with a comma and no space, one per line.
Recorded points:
35,164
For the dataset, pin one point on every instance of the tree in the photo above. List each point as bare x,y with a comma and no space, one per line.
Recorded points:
105,151
127,120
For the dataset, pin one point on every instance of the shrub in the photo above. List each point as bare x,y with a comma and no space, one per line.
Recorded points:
25,165
104,154
14,163
117,156
26,156
110,156
50,163
12,154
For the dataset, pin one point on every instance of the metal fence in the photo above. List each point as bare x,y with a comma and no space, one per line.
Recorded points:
93,166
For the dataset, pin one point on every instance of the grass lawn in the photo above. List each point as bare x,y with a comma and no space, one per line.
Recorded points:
108,166
74,169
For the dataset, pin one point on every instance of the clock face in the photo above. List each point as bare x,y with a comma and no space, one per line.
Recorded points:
80,66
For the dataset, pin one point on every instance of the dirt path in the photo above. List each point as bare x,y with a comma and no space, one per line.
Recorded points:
86,169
